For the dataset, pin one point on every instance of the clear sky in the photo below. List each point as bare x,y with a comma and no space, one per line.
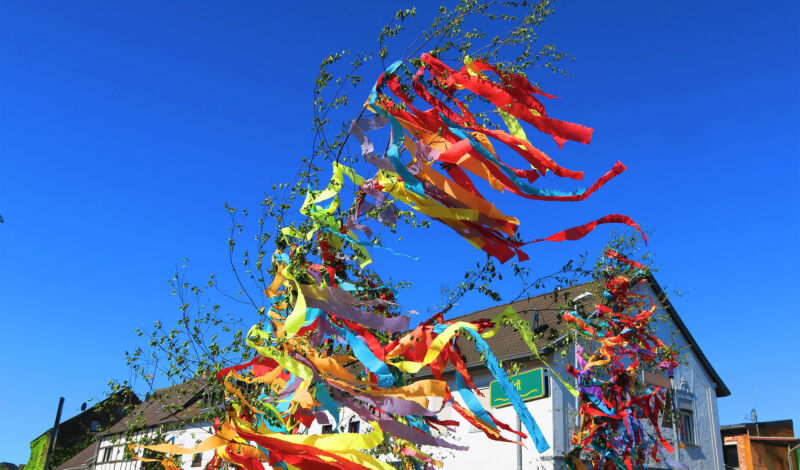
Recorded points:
125,126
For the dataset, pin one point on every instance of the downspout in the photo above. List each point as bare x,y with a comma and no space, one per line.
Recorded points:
519,447
790,458
711,397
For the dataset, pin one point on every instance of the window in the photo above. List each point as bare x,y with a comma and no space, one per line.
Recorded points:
686,421
353,427
687,427
94,425
106,454
684,415
327,429
730,455
197,460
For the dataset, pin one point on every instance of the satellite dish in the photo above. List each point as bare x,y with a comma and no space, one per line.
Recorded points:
83,406
753,415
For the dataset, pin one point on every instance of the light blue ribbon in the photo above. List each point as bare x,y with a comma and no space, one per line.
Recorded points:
366,357
472,402
500,374
398,136
324,397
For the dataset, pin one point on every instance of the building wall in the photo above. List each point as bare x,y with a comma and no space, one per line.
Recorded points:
188,436
742,444
695,384
768,457
755,455
485,453
556,414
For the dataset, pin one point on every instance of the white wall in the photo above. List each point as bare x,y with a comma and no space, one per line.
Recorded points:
556,413
485,453
188,436
695,384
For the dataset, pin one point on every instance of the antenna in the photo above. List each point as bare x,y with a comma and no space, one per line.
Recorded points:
754,418
442,290
753,415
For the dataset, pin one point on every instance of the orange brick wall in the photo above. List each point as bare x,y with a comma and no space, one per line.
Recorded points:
742,448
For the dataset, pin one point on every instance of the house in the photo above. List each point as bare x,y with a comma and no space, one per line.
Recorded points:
179,414
769,445
76,433
696,389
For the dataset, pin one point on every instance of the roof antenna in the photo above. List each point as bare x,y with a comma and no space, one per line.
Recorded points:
753,418
753,415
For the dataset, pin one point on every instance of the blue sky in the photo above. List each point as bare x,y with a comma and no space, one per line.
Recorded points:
124,127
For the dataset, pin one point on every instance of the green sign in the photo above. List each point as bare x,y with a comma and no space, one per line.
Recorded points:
530,384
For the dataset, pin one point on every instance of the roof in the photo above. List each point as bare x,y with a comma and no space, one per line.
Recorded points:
542,311
106,412
507,344
180,402
81,459
742,428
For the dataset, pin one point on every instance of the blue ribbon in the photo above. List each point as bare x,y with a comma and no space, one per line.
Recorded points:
472,402
327,401
398,136
500,374
365,244
366,357
311,315
526,187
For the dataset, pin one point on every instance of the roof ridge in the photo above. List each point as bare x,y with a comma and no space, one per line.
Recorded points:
544,294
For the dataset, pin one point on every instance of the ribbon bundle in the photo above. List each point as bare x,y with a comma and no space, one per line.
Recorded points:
616,406
332,340
455,142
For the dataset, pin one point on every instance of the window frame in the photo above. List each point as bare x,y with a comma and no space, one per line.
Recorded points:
725,450
354,423
687,428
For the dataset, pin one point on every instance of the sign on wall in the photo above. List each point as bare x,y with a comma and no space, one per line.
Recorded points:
531,385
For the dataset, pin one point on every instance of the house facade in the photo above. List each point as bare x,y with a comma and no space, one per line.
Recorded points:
696,387
177,414
768,445
175,417
76,433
